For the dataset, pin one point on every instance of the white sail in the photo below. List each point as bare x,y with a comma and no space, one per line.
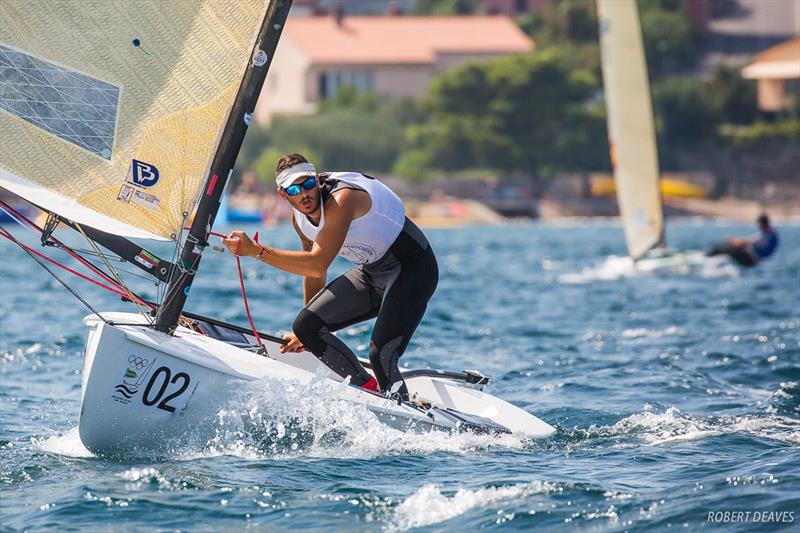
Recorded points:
631,132
114,109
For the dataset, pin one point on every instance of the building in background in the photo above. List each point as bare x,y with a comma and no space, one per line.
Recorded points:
773,68
739,29
392,56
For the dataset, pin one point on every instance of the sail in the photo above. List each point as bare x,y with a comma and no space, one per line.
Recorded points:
630,125
111,112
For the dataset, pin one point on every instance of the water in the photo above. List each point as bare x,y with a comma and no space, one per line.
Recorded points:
674,397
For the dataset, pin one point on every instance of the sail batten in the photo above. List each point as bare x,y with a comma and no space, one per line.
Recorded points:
631,131
117,108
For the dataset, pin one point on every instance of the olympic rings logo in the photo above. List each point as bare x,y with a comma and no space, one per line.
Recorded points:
137,362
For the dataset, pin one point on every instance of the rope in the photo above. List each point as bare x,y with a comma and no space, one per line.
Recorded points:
33,254
117,289
244,293
129,293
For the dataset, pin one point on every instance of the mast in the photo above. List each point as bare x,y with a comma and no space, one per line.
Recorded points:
222,165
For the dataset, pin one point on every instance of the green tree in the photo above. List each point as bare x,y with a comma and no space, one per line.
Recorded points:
348,98
669,40
351,130
568,24
736,95
687,117
517,114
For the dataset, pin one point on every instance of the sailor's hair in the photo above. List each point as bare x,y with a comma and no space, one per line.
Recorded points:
289,160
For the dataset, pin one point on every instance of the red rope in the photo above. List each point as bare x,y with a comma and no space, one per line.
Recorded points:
68,269
118,289
241,281
244,293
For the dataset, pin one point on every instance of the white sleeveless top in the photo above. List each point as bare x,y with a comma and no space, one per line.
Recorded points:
370,235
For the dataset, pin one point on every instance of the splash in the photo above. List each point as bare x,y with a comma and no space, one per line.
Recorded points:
281,420
655,427
429,506
152,478
615,268
68,444
636,333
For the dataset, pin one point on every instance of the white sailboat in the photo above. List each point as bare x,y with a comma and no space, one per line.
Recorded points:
632,141
118,119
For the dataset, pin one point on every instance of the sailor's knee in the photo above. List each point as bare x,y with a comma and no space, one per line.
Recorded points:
307,326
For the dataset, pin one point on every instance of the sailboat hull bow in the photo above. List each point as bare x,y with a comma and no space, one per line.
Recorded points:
146,393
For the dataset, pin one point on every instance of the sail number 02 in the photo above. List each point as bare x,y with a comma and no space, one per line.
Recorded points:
168,378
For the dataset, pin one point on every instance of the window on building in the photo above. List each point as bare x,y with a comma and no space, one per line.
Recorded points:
330,81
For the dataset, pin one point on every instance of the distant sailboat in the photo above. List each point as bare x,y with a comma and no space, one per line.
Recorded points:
117,119
632,140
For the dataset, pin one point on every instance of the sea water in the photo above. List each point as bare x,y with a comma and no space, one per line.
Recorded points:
676,399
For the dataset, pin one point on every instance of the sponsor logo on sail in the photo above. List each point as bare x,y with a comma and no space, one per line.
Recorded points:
135,373
142,174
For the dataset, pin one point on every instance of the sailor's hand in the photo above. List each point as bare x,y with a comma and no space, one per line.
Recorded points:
238,243
292,345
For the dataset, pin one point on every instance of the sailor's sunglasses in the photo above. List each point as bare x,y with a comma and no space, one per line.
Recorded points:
294,190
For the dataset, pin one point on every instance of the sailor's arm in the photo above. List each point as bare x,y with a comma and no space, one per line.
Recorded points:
339,212
311,285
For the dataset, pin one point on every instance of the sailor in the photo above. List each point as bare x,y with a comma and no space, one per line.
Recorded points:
750,250
358,217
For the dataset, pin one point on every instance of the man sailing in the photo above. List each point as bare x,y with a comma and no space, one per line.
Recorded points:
361,219
749,251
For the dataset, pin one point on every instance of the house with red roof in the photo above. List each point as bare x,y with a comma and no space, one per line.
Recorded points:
392,56
773,68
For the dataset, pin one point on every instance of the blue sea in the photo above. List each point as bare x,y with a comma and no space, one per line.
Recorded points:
676,399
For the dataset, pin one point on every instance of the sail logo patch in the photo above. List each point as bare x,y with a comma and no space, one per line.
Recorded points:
142,174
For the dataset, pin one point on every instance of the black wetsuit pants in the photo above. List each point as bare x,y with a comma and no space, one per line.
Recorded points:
737,253
395,289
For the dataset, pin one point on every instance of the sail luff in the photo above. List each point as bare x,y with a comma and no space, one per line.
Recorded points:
631,129
224,159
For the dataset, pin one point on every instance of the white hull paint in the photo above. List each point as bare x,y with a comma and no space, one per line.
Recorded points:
145,393
661,259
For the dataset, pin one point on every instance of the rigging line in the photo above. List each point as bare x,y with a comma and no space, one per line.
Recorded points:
31,253
136,301
33,226
113,289
92,253
176,267
244,294
128,272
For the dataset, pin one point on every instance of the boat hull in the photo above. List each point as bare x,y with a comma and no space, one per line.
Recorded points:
148,394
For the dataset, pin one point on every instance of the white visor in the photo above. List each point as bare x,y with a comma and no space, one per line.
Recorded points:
300,170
